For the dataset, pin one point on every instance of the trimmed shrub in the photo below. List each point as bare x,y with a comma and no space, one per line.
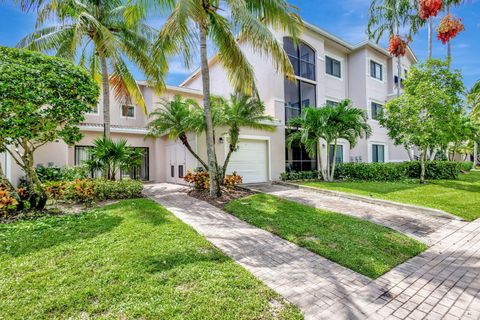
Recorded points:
466,166
201,180
302,175
372,171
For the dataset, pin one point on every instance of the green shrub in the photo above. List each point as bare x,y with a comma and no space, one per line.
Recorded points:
465,166
91,190
302,175
62,174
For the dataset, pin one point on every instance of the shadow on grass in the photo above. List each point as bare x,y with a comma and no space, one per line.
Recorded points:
29,236
458,185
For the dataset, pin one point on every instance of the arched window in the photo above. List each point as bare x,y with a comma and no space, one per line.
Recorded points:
302,58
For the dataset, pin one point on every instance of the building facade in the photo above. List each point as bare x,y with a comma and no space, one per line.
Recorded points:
327,69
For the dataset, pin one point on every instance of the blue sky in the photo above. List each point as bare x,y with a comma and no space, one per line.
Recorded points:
346,19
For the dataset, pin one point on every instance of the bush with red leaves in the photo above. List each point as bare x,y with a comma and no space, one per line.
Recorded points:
429,8
449,28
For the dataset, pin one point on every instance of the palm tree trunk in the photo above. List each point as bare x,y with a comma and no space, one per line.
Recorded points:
399,71
319,154
422,165
187,145
449,44
334,162
475,155
215,190
430,37
106,97
231,149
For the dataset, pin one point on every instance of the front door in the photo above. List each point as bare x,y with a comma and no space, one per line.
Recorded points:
176,163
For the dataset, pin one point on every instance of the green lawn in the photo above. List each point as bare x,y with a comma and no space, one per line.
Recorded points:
131,260
357,244
459,197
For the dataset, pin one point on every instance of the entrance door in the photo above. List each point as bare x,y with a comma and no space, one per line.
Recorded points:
176,163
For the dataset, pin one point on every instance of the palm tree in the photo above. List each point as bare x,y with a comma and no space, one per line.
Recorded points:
252,19
178,117
241,111
448,4
390,17
473,100
99,35
329,123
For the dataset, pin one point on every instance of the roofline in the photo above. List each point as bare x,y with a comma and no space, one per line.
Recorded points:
175,88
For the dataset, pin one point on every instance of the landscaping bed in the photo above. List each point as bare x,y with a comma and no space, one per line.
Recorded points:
357,244
129,260
459,197
227,196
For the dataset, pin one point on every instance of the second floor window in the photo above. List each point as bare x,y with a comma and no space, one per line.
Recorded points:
298,95
128,111
333,67
377,110
378,153
376,70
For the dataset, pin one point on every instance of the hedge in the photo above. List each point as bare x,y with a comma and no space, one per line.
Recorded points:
390,171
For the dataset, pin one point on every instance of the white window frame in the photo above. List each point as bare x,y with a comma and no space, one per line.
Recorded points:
385,148
328,98
127,117
384,69
344,153
369,107
339,59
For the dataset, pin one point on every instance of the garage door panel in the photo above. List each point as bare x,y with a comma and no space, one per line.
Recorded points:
250,161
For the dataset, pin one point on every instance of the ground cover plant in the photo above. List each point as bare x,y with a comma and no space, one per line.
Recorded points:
357,244
460,197
130,260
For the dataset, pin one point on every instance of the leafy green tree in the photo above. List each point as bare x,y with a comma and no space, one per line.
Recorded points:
191,22
177,118
100,35
424,114
241,111
329,123
42,99
110,157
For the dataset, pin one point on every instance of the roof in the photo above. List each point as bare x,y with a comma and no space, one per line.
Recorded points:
325,33
175,88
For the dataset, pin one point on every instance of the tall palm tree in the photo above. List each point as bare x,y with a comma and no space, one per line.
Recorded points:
448,4
100,35
391,17
473,100
177,118
191,22
329,123
241,111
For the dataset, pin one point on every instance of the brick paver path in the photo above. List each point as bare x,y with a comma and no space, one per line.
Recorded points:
422,226
443,282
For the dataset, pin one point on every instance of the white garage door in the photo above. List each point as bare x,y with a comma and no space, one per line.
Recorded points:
250,161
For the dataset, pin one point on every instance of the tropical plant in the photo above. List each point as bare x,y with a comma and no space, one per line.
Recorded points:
391,17
473,100
329,123
99,35
240,111
42,99
191,23
110,157
428,110
177,118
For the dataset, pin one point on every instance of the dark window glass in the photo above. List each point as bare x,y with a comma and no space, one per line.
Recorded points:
338,156
172,171
376,70
128,111
333,67
307,93
302,58
378,153
298,159
331,103
298,95
377,110
180,171
142,171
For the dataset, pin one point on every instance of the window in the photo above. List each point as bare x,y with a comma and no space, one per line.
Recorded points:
331,103
378,153
338,156
298,95
172,171
128,111
302,58
140,172
180,171
376,70
377,110
298,159
333,67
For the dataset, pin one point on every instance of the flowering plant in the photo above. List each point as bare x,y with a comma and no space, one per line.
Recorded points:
397,46
449,28
429,8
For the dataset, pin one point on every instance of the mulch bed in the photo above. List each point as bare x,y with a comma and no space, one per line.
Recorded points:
227,196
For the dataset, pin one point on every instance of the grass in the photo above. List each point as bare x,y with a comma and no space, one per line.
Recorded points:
459,197
130,260
357,244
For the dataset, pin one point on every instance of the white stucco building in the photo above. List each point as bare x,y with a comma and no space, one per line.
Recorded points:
328,69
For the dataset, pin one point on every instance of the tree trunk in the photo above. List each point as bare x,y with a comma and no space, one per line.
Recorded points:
215,188
409,152
183,138
334,162
422,166
449,44
430,37
475,155
399,70
319,154
106,97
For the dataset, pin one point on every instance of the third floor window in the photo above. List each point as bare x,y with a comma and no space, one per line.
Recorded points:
128,111
302,58
376,70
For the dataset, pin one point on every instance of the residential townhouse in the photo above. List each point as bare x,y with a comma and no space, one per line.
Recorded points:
328,70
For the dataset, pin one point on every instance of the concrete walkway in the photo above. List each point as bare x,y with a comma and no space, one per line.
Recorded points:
427,228
443,282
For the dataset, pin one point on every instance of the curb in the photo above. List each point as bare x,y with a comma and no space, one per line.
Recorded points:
419,209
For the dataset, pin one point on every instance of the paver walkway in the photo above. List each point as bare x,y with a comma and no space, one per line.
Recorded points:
422,226
441,283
